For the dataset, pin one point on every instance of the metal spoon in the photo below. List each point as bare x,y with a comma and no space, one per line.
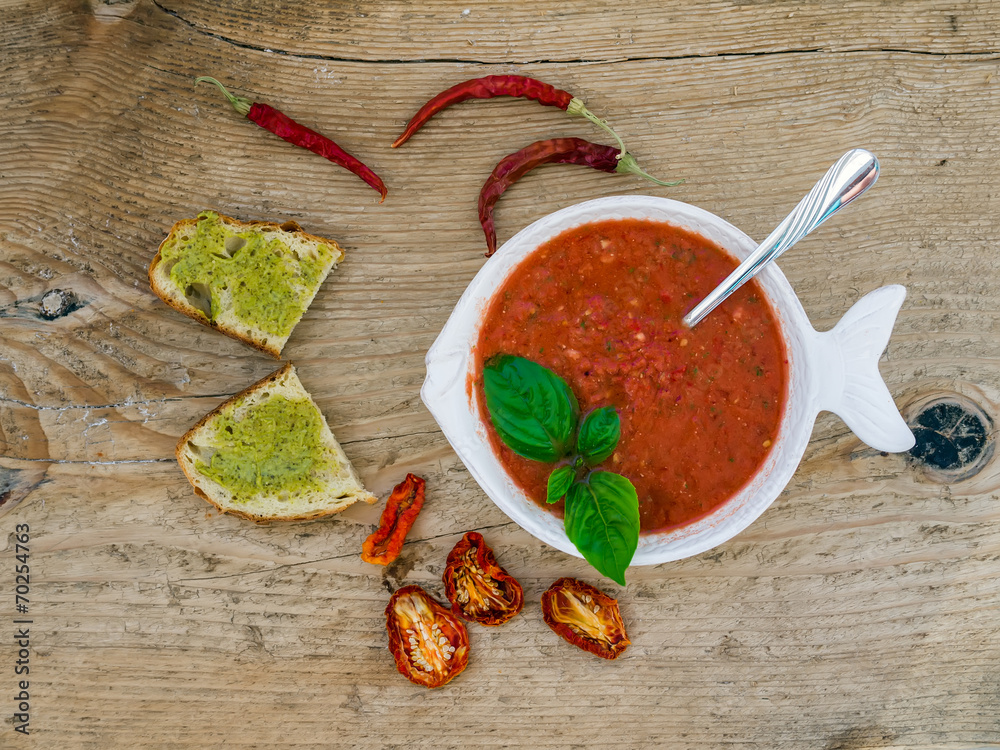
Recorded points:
848,178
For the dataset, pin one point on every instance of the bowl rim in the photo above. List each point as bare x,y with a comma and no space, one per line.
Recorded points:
447,391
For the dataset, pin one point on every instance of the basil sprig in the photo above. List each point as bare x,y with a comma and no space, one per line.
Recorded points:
532,408
537,416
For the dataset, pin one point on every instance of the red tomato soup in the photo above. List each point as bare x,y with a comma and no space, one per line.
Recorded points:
601,305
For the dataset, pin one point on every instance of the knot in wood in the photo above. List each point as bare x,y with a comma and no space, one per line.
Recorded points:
56,303
954,438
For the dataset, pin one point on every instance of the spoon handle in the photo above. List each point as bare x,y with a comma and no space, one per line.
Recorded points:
848,178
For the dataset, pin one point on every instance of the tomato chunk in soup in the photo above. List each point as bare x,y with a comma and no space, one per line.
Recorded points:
601,305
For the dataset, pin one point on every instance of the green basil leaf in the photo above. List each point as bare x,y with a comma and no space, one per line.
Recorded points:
533,409
602,520
599,434
559,481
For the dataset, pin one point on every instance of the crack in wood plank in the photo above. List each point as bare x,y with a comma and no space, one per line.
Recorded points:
121,405
984,54
63,461
345,556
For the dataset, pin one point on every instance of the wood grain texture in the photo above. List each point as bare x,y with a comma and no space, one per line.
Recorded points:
858,612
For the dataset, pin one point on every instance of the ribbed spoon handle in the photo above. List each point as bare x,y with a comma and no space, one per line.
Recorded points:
847,179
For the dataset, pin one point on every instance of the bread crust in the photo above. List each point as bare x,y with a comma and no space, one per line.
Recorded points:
193,476
194,313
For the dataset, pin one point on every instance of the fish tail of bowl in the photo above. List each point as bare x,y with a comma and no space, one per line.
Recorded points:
850,384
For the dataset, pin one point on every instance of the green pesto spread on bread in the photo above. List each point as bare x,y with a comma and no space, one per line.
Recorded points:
251,280
276,447
267,282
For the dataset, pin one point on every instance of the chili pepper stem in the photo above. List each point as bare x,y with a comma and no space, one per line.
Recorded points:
240,104
578,108
628,165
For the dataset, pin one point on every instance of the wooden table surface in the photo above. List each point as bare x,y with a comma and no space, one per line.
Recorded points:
860,611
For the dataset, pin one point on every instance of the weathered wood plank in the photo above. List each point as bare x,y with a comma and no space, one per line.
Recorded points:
859,611
778,617
407,274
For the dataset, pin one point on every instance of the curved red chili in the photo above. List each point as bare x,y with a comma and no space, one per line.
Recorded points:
286,128
491,86
558,151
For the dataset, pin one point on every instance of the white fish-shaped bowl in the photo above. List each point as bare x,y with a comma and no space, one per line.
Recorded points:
834,371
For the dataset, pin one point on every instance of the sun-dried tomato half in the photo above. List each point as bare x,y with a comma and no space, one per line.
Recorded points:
429,643
477,587
586,617
384,544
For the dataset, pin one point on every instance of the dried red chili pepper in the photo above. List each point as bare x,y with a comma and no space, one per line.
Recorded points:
429,643
559,151
285,127
477,587
401,509
491,86
585,617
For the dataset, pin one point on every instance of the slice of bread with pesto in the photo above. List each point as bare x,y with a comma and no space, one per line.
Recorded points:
267,454
249,280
